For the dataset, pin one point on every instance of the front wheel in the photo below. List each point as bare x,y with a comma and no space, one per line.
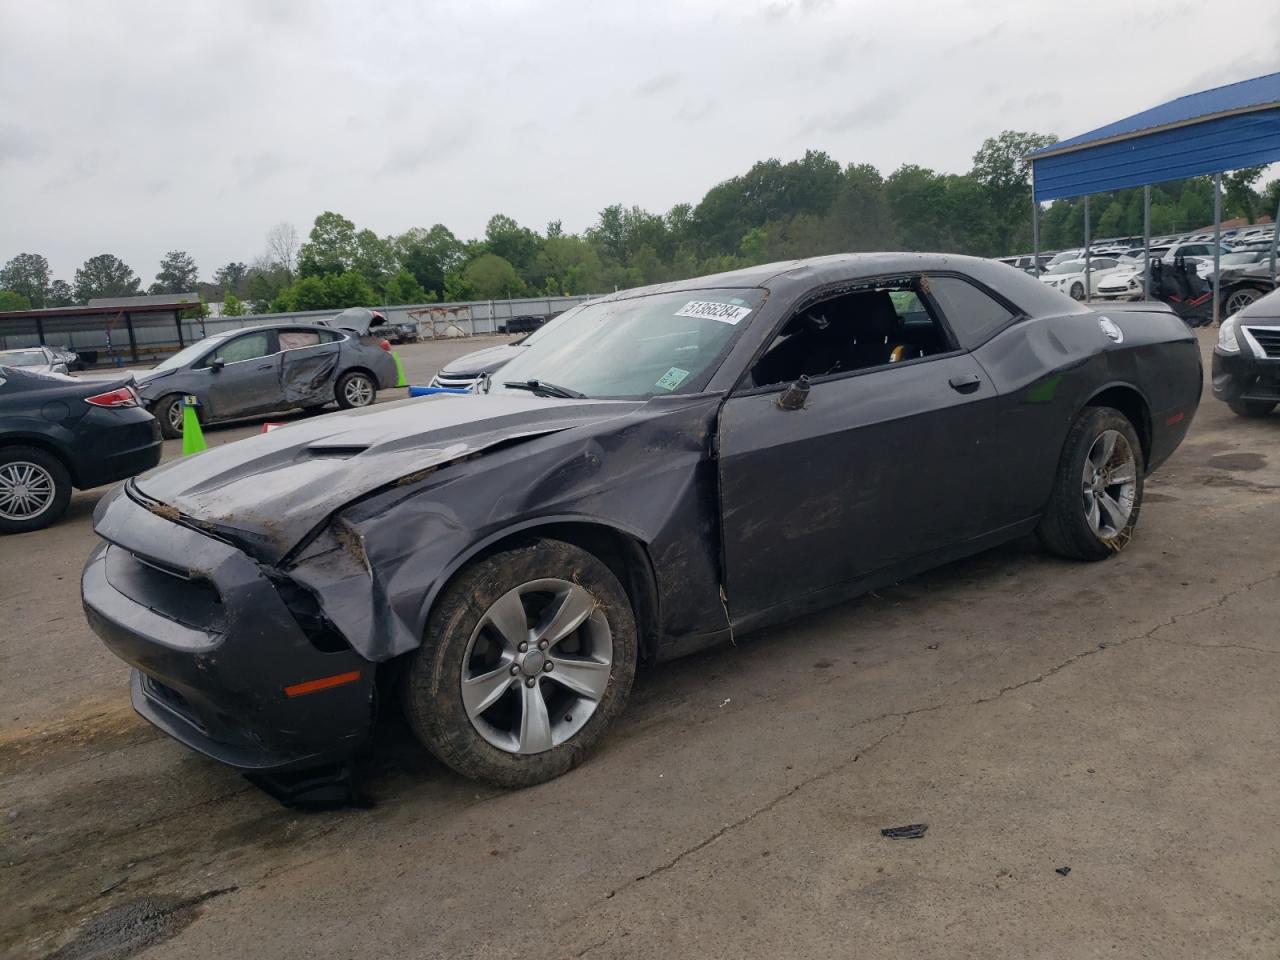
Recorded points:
168,410
1098,491
1251,408
355,389
529,655
1237,300
34,489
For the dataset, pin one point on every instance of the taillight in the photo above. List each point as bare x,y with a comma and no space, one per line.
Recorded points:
124,397
385,345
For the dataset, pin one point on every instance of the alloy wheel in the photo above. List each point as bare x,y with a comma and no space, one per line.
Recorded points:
1109,482
537,666
1239,300
175,413
26,490
358,391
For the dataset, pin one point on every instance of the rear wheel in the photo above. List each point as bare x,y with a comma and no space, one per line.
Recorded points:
34,489
529,655
1251,408
168,410
355,389
1239,299
1098,491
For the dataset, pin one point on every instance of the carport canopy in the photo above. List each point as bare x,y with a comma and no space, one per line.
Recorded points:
1225,128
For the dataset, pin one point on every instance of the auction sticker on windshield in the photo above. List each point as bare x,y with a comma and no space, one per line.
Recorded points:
672,378
710,310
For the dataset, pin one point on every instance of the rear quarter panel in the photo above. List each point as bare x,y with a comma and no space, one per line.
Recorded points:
1048,369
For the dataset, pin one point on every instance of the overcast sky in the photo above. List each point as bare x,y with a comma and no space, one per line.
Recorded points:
138,127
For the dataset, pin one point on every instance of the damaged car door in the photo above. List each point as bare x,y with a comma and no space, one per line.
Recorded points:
879,462
244,375
308,365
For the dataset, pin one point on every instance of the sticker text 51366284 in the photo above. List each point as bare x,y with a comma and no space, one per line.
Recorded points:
710,310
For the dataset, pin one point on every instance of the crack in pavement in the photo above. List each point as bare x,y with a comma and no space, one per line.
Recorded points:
905,716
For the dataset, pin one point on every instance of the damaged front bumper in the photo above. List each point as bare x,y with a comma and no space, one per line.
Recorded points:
1243,376
224,659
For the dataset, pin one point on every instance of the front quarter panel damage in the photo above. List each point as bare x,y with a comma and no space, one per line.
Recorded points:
378,566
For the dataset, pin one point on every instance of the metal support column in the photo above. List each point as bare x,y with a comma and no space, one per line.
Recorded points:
133,340
1217,244
1146,242
1035,226
1275,241
1088,260
40,329
177,319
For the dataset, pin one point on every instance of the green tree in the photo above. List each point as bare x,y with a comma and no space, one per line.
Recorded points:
493,278
105,276
568,265
429,255
403,287
178,273
59,295
1239,197
229,278
330,248
507,239
1001,168
12,300
27,274
375,258
232,306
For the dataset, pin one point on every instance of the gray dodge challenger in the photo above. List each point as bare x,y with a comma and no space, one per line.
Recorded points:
272,368
669,467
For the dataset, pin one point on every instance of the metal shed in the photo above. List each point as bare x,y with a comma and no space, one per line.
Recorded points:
1212,131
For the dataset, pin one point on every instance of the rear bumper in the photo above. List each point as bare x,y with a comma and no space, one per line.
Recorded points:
213,646
110,450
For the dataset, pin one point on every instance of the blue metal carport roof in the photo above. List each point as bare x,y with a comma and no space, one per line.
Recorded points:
1225,128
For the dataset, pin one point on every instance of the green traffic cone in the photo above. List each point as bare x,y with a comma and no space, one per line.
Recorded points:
192,435
400,380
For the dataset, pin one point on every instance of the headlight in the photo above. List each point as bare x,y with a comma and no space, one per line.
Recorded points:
1227,342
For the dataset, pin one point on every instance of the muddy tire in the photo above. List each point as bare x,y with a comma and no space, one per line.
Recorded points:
529,655
168,410
34,489
1097,493
355,389
1251,408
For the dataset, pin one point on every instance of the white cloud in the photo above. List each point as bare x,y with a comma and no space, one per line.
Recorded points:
141,126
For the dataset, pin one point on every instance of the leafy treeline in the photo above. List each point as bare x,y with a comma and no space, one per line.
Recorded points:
774,211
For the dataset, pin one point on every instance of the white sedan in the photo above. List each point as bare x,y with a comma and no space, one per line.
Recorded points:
1069,276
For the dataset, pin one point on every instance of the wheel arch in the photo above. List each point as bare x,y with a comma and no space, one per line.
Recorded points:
48,445
1131,402
624,552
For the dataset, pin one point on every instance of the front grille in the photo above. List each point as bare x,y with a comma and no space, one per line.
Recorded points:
454,383
167,590
1268,338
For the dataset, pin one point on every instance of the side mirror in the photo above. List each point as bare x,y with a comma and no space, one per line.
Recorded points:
794,397
216,364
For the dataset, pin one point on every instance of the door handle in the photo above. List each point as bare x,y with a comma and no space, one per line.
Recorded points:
965,383
266,366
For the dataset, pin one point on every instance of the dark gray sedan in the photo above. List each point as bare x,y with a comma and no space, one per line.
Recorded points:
270,368
667,468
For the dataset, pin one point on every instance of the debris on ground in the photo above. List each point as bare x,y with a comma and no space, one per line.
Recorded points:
912,831
1062,871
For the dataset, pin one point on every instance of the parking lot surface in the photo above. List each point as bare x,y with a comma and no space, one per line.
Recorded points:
1119,719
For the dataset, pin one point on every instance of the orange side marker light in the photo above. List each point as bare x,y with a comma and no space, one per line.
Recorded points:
321,683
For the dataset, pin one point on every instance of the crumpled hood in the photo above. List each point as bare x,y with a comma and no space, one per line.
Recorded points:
270,491
482,361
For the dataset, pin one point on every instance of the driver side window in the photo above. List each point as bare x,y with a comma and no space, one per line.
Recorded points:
869,326
249,347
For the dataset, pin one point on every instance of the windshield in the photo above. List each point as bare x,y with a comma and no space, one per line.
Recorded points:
634,348
1248,256
25,358
185,356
